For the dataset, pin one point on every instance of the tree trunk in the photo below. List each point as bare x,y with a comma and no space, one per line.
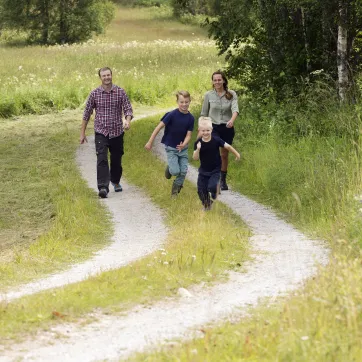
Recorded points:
342,57
63,31
45,21
306,42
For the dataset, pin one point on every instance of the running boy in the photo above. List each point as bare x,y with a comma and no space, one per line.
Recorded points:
207,151
179,125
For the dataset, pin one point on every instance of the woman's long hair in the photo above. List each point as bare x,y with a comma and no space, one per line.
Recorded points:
228,95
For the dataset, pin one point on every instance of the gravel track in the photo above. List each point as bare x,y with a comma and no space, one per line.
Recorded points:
284,258
131,239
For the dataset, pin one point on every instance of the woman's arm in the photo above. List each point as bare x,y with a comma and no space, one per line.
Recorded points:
230,123
234,110
205,106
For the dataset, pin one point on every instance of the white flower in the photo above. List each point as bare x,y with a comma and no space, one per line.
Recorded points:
20,67
304,338
165,263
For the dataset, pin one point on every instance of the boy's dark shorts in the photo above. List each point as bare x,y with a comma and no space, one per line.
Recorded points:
226,134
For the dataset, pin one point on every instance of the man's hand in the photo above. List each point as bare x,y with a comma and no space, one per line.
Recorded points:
237,156
126,124
83,139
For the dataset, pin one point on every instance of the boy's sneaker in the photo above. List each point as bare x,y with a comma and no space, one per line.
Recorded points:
167,173
175,190
117,187
103,193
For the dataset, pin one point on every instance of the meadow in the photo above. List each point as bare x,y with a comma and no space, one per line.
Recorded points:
151,62
310,174
54,220
38,152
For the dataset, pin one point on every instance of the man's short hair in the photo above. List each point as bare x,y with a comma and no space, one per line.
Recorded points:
205,122
103,70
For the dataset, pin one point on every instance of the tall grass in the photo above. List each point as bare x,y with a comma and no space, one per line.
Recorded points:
38,152
311,178
48,216
150,58
200,247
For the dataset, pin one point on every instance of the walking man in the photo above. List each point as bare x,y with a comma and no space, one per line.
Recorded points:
111,104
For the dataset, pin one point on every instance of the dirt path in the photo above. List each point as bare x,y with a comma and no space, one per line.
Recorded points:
283,259
131,240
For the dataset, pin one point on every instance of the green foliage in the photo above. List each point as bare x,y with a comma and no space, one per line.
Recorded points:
194,7
274,47
57,21
143,3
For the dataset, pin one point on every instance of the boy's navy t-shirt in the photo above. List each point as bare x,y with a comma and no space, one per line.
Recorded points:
177,124
210,159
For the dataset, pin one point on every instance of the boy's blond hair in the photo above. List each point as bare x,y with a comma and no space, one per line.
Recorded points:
205,122
183,93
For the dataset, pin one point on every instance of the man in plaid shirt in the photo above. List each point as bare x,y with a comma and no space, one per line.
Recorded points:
110,103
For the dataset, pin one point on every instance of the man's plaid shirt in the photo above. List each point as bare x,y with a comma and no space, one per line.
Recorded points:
109,107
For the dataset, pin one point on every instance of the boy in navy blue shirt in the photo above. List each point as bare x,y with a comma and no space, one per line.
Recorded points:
179,125
207,150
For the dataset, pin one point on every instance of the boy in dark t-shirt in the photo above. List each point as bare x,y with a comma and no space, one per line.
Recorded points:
179,125
207,150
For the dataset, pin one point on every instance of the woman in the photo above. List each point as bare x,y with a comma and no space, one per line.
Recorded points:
221,105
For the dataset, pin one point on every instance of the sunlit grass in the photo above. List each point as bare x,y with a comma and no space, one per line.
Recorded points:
149,24
49,218
312,182
321,322
151,67
200,247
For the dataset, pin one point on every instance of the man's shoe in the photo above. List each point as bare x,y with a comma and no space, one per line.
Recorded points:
103,193
167,173
117,187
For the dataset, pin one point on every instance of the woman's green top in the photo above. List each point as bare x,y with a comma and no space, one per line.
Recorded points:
220,109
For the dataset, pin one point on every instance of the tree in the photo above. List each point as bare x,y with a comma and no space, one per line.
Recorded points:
57,21
276,46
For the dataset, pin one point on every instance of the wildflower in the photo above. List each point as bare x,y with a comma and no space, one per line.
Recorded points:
304,338
20,67
193,257
165,263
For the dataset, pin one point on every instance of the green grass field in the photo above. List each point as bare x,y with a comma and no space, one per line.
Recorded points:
311,181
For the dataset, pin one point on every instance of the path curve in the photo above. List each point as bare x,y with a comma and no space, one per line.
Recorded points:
283,259
131,240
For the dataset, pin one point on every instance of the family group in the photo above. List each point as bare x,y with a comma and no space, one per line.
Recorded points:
212,146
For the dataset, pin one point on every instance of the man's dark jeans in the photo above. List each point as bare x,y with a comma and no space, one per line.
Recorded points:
115,147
